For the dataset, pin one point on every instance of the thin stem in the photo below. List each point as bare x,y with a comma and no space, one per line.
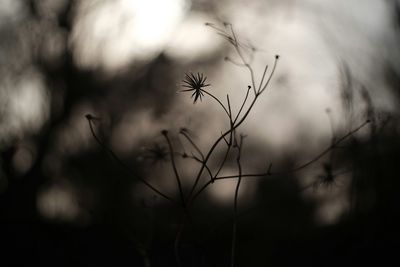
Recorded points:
236,125
333,145
229,144
235,203
230,119
262,78
229,108
223,225
222,163
196,159
269,173
216,144
236,45
192,143
244,102
250,70
178,180
270,76
219,102
126,167
214,27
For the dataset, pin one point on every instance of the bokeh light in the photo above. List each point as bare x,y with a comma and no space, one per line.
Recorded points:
111,35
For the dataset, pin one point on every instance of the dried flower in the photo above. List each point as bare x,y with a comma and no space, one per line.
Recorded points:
157,153
195,83
326,179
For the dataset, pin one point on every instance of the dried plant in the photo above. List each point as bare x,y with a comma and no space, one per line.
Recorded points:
230,140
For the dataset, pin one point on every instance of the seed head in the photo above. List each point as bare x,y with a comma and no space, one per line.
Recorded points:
195,83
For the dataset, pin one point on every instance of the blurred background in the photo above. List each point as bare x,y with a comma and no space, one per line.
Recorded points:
65,202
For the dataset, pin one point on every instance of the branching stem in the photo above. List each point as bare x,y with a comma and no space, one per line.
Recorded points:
117,159
178,179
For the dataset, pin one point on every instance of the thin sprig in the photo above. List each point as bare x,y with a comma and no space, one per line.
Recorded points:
238,145
90,119
174,167
269,172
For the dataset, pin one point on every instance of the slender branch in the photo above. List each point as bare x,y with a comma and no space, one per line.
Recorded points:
117,159
235,203
230,120
223,225
269,173
198,151
196,159
219,102
236,45
249,68
333,145
263,77
222,163
219,140
244,102
178,180
241,120
270,76
216,144
229,144
229,109
192,143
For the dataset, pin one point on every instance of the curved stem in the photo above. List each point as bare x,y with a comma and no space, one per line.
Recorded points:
192,143
242,106
216,144
270,76
117,159
235,204
199,161
222,163
219,102
262,78
236,45
178,180
302,166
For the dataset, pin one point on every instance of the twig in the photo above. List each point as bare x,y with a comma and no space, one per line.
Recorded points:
262,78
235,202
178,180
269,173
192,143
117,159
219,102
236,45
234,42
196,159
233,128
270,76
229,144
244,102
215,144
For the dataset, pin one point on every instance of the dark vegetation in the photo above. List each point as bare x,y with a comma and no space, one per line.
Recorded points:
187,228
